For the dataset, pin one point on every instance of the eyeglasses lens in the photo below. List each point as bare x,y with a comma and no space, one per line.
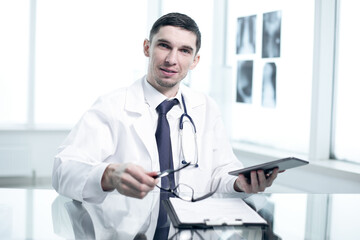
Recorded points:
184,192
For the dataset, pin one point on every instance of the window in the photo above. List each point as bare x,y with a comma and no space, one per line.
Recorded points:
293,225
85,49
347,98
273,77
337,214
14,59
57,57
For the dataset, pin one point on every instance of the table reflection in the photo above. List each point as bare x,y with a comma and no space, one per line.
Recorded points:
129,218
118,217
43,214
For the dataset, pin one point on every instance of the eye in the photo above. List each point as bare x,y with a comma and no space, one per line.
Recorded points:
164,45
186,51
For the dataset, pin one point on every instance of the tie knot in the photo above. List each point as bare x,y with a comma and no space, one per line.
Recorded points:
165,106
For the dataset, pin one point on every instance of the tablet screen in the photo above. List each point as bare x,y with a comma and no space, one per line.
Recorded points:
282,164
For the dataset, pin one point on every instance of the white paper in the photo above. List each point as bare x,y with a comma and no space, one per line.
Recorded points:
215,209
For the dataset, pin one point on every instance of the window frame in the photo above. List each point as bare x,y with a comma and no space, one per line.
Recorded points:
324,173
323,88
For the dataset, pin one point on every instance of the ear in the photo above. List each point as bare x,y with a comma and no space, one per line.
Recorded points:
146,47
195,61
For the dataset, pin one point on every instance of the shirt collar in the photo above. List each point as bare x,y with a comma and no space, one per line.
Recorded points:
153,97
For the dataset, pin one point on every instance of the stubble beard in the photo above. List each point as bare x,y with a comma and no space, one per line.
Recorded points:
165,84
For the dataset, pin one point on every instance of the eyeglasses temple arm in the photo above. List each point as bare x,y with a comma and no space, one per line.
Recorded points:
208,194
162,174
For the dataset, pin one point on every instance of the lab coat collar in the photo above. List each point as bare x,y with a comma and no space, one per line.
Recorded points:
192,98
136,102
153,97
135,99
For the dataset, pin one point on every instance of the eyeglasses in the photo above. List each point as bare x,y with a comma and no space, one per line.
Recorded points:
187,193
181,190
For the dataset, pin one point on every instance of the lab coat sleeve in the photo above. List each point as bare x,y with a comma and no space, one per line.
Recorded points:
223,155
83,157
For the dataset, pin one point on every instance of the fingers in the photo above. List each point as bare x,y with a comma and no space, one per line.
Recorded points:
258,181
242,184
254,181
154,174
132,180
272,177
262,181
139,174
130,191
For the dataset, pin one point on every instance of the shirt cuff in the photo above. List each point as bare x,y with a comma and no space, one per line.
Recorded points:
230,185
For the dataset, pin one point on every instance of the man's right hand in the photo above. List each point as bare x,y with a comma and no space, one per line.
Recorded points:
128,179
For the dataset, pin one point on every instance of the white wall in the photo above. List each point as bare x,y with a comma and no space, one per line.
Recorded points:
24,152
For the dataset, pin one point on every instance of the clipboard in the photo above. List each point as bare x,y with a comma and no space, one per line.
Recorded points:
211,212
282,164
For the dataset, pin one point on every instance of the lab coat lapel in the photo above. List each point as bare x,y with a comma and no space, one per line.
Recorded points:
135,103
195,105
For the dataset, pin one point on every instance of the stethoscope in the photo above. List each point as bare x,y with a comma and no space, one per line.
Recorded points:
185,116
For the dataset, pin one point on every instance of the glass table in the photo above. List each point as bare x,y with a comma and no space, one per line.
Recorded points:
43,214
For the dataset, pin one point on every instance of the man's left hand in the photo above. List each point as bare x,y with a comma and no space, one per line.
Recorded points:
258,182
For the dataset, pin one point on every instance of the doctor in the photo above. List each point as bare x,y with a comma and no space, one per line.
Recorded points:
113,146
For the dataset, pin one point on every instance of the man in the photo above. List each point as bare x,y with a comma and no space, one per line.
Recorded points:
114,146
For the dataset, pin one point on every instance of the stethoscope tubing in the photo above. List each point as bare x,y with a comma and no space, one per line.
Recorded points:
181,127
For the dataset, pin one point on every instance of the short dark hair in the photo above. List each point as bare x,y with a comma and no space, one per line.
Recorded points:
177,20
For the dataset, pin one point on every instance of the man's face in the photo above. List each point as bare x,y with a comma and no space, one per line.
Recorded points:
171,55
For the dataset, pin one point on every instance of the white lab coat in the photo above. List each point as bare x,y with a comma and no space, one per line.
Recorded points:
116,129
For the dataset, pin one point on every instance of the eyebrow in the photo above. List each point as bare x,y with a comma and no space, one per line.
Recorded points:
184,46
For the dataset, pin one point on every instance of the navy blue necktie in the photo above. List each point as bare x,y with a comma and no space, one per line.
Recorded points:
163,142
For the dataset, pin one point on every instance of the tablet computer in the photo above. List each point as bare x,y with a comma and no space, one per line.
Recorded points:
282,164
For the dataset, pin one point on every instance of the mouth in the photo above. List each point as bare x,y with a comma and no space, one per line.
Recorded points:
168,72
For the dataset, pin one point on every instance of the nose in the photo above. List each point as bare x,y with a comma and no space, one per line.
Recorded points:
171,58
